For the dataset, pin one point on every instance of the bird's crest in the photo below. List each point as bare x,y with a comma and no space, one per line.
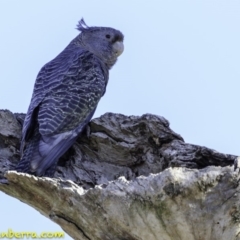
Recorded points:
81,26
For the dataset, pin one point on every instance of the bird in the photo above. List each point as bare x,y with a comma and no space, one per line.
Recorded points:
66,94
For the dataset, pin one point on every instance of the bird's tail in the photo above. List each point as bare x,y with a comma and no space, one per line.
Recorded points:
24,164
41,155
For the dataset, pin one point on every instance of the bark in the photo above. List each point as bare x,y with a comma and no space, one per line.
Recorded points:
129,177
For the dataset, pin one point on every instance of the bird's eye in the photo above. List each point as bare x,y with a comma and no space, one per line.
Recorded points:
108,36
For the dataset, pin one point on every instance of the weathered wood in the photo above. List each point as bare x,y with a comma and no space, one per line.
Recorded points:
117,182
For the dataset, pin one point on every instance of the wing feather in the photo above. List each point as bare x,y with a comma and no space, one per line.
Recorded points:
66,94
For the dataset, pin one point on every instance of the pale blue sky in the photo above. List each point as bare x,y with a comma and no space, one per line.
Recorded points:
181,61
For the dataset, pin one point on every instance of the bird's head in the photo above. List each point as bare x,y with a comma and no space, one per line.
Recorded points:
104,42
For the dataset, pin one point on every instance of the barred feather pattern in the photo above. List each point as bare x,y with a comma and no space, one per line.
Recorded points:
65,96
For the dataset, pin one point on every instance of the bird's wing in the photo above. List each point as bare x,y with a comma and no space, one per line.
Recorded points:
66,94
48,77
66,109
51,148
70,102
67,89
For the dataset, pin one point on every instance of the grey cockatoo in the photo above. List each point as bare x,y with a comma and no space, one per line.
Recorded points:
65,96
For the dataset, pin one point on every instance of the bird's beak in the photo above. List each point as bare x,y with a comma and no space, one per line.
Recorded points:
118,48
